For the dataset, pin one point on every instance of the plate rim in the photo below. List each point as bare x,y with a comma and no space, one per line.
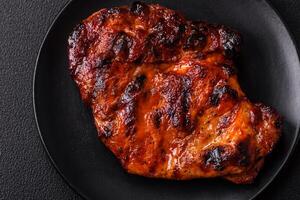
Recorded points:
75,188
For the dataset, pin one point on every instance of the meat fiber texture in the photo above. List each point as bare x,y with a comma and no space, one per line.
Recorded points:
165,96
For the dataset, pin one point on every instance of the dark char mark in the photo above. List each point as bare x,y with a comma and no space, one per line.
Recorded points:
231,41
196,38
229,70
74,36
177,95
101,66
129,118
167,33
129,101
133,89
156,117
224,121
218,92
103,63
77,43
243,158
156,53
185,102
106,130
122,43
215,158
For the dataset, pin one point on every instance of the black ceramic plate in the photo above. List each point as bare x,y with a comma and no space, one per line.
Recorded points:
268,71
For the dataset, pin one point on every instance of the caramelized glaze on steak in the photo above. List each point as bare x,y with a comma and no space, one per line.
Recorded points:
165,96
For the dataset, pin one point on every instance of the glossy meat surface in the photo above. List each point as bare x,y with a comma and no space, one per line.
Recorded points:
165,97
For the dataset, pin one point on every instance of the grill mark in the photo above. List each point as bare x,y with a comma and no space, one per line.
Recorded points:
122,43
227,119
129,102
101,67
186,101
156,117
219,92
243,153
133,89
215,158
178,103
100,83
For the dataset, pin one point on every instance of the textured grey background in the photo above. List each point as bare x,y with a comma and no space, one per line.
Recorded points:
25,170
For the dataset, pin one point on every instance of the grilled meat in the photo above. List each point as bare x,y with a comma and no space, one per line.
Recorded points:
165,96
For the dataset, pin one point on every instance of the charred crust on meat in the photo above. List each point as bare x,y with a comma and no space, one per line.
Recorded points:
130,118
185,104
178,102
175,37
77,47
102,18
158,35
224,121
156,117
196,38
228,69
219,92
133,88
107,131
139,60
129,101
103,63
231,41
163,34
156,53
202,71
139,8
188,118
122,43
243,152
74,36
215,158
